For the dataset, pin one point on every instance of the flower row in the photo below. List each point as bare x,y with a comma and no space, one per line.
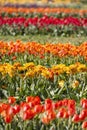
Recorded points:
57,82
42,50
11,10
54,26
34,1
45,5
43,21
47,112
31,70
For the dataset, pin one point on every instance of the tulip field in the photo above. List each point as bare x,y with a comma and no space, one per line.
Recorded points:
43,65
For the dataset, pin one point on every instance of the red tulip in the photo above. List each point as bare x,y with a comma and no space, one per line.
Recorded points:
76,118
8,119
16,109
11,100
84,125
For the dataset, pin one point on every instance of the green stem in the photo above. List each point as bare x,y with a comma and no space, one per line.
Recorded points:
8,127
